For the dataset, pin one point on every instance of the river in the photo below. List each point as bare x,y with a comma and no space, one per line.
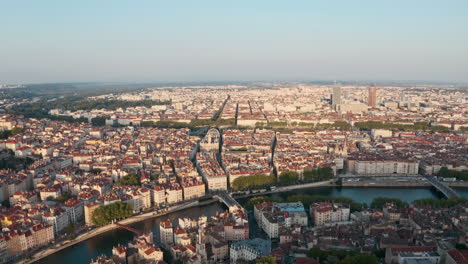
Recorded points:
84,251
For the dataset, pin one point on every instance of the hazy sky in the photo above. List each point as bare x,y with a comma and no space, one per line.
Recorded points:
146,41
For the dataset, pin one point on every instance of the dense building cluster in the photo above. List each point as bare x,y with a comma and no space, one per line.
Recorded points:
199,140
140,250
204,240
418,233
246,152
273,218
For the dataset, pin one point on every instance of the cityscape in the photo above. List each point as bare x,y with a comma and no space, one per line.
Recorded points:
243,132
63,182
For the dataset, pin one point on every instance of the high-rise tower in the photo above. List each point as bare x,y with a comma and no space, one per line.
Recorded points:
336,95
372,99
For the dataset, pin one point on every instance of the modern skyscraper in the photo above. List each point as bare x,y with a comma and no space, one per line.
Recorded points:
372,99
336,95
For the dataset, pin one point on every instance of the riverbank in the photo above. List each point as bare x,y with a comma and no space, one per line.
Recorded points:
316,186
391,183
386,184
101,230
138,218
381,182
458,184
287,188
102,244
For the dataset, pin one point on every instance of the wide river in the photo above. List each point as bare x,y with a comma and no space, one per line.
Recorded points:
83,252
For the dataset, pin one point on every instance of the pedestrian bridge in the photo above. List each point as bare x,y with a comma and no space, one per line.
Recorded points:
443,188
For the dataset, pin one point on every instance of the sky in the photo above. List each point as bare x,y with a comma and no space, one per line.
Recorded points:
253,40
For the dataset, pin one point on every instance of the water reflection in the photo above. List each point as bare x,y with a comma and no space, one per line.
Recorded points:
102,244
85,251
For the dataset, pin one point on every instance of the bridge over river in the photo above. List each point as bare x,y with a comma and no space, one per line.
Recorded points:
443,188
228,200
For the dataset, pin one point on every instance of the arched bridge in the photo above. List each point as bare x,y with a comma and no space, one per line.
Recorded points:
443,188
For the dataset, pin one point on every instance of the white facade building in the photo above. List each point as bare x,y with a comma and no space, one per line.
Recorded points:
249,250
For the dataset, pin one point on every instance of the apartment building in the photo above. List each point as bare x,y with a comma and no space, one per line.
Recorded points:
327,212
272,217
248,250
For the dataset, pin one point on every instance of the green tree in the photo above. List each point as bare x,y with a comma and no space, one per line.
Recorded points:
339,182
99,120
115,211
260,199
252,181
5,134
416,126
130,179
440,203
278,124
342,125
461,246
154,177
380,253
61,198
147,124
360,259
304,124
17,130
70,229
317,253
288,177
319,174
41,108
341,256
379,202
6,203
9,161
459,175
171,124
266,260
96,171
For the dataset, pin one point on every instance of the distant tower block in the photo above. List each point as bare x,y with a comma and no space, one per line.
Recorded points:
336,95
345,94
211,141
372,99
